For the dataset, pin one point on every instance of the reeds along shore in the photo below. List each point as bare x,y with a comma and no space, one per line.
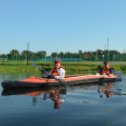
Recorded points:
71,67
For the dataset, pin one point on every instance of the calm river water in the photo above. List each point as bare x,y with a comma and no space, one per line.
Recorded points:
89,105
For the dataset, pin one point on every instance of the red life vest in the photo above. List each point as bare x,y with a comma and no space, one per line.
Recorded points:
106,71
55,71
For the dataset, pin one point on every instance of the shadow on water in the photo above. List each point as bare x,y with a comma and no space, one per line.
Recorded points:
57,95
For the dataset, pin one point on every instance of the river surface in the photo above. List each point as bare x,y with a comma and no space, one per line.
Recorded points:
89,105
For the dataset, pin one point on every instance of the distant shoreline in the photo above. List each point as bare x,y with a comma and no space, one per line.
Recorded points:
20,67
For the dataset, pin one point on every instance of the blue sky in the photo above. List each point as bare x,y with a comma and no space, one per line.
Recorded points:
62,25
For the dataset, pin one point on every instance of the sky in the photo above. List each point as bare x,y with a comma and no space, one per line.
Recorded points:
62,25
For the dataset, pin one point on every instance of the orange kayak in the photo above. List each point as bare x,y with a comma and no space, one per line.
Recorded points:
37,82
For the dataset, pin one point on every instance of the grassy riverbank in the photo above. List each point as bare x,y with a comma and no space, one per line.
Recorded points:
16,67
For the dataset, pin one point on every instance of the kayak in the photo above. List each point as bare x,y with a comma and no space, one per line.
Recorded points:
37,82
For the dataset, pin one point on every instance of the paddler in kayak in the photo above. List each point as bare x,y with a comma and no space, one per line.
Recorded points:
58,71
107,70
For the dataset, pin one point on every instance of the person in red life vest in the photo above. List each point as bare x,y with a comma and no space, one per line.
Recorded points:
58,71
107,70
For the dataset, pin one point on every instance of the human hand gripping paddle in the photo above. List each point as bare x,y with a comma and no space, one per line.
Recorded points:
51,76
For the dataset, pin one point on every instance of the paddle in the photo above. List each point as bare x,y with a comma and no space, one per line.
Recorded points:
51,76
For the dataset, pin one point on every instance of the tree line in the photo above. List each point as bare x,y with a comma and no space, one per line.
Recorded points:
98,55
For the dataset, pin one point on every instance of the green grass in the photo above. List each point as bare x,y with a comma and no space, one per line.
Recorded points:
16,67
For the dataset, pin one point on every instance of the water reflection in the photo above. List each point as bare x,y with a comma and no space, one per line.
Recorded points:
74,93
57,95
106,89
109,89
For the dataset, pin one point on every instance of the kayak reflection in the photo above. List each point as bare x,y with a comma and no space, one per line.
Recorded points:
57,95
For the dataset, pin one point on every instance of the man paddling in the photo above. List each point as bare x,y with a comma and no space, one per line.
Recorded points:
107,70
58,71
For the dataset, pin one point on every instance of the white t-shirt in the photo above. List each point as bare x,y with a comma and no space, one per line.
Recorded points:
61,73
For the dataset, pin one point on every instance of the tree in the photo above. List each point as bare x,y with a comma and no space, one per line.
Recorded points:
27,55
61,55
41,54
99,54
80,53
14,54
54,54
